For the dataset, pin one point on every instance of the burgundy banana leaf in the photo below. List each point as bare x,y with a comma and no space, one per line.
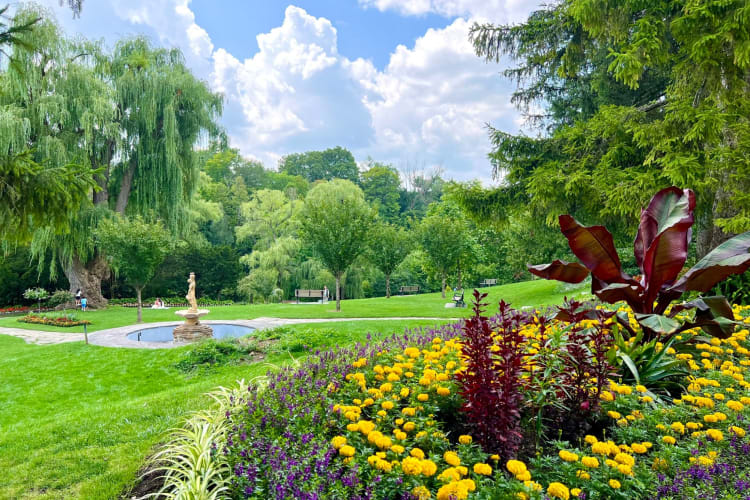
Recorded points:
731,257
569,272
595,249
662,242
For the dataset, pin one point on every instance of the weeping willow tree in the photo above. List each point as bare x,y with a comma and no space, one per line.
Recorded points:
131,117
32,192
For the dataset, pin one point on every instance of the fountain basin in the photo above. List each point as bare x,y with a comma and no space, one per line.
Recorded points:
164,333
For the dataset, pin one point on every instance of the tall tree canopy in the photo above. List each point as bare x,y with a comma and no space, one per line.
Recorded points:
381,185
333,163
33,192
336,221
131,117
635,96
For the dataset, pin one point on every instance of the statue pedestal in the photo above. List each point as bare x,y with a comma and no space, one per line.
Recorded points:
192,329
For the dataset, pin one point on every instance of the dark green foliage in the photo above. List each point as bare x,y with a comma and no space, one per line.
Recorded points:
381,184
17,274
217,268
210,353
334,163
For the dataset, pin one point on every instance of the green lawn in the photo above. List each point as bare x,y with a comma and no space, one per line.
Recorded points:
78,421
528,293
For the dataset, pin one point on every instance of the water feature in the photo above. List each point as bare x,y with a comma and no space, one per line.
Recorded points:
164,333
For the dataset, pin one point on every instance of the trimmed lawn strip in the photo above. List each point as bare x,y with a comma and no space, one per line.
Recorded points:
527,293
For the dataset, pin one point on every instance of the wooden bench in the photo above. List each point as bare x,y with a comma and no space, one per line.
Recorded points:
309,294
458,298
488,282
408,289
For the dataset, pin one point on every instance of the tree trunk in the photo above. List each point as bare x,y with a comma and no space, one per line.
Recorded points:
387,286
338,292
140,309
125,186
442,288
460,285
88,277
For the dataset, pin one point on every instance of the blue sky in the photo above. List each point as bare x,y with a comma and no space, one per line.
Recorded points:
393,80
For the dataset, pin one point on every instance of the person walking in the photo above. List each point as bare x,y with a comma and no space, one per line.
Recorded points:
84,302
78,297
325,294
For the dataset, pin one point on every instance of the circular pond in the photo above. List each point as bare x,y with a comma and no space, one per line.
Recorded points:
164,333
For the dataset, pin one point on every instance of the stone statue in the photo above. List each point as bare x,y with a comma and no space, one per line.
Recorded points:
191,294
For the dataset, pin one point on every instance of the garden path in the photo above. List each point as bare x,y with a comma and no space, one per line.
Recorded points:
117,337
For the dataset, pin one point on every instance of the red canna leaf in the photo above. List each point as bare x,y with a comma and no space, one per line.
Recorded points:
569,272
664,209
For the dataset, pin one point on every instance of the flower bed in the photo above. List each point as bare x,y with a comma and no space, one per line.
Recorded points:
401,418
62,320
14,309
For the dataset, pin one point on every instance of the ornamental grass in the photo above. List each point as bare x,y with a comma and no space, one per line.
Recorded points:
395,419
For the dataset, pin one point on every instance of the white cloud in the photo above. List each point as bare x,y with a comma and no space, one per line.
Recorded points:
429,105
495,10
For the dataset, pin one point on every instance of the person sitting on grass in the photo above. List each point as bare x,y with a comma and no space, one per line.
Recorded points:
158,304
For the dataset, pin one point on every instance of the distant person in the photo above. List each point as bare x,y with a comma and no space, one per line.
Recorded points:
158,304
84,303
326,293
78,297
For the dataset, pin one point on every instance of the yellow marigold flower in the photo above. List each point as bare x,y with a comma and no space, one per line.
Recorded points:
625,470
423,397
464,439
483,469
416,452
522,496
589,439
524,476
421,493
387,405
575,492
711,419
409,412
668,440
719,396
614,484
607,396
411,466
705,461
568,456
451,458
639,448
558,490
624,458
404,392
366,427
352,427
678,427
400,435
338,442
582,474
533,485
443,391
398,449
735,405
600,448
429,467
715,434
410,426
739,431
614,414
515,467
495,457
347,451
412,352
450,474
591,462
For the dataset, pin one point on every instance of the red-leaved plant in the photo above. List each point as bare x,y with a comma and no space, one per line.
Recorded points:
661,248
491,384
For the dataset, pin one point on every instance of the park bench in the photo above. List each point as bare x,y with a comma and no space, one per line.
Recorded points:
458,298
309,294
488,282
408,289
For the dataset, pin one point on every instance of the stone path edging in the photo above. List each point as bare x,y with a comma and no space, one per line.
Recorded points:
117,337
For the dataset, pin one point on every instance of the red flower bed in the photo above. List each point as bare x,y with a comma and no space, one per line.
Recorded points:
41,320
13,309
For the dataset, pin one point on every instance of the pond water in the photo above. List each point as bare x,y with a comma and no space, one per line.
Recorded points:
164,333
